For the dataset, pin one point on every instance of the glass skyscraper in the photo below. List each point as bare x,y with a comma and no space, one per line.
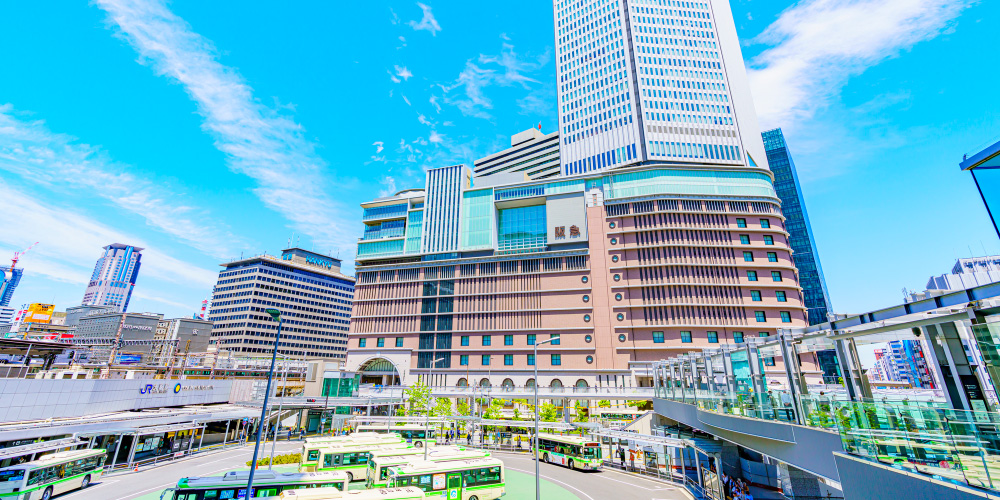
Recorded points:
9,278
786,183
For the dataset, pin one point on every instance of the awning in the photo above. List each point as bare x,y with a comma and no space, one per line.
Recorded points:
55,444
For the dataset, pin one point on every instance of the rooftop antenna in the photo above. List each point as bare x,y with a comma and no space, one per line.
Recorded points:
18,255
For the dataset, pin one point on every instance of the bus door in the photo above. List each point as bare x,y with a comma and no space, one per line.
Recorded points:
455,486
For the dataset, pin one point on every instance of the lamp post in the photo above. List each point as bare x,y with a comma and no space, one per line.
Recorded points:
538,483
275,315
281,403
427,414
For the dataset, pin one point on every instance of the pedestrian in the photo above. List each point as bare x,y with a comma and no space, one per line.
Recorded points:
289,434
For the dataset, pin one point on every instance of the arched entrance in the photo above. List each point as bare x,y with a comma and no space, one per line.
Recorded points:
379,371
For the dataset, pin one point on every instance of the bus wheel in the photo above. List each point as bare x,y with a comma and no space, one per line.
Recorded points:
570,463
545,458
350,477
419,444
473,497
48,493
86,482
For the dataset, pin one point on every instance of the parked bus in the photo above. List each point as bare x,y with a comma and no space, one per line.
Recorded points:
312,446
410,493
415,434
473,479
266,483
352,459
380,462
575,452
51,475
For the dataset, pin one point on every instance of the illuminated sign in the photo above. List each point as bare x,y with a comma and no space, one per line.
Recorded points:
39,313
175,389
316,261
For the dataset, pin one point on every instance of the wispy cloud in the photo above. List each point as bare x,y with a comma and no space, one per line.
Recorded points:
505,69
70,243
435,137
427,23
434,102
815,46
31,151
389,188
403,73
258,141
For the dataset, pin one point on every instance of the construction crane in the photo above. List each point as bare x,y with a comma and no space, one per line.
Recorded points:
17,255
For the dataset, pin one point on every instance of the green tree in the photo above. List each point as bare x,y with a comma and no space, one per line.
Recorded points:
604,403
442,408
641,405
582,412
493,411
463,407
548,413
517,414
418,395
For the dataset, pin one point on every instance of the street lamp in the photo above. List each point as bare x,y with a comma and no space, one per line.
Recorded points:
275,315
284,385
538,484
427,414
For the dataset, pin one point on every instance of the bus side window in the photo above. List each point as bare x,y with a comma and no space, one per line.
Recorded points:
313,455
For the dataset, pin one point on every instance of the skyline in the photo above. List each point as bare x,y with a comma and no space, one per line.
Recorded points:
231,109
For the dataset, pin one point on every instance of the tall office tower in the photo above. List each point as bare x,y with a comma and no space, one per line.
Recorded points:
9,278
646,80
532,155
793,205
114,277
314,298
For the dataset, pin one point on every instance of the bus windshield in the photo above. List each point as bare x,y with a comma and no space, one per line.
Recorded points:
591,452
11,475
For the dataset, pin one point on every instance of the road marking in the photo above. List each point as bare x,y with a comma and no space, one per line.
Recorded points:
662,487
553,480
167,485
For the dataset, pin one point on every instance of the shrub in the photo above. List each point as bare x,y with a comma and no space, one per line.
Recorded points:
288,458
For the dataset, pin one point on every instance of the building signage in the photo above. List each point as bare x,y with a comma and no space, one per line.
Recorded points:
137,327
319,262
574,231
175,389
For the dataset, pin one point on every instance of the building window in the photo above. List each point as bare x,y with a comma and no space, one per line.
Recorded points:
611,225
586,298
786,317
380,342
747,256
508,360
763,334
775,275
764,223
586,318
531,360
362,342
780,296
555,339
399,341
755,295
508,340
587,338
614,258
768,239
751,275
772,256
590,359
584,279
618,277
465,341
487,340
713,337
741,223
621,337
745,239
486,360
618,296
556,359
761,317
614,241
737,337
463,360
521,227
621,317
531,339
768,361
657,337
686,337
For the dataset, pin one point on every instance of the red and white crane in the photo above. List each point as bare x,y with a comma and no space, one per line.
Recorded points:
17,255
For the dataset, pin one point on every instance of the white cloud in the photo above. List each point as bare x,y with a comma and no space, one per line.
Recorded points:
403,73
395,18
390,187
817,45
258,141
407,101
30,150
427,23
434,102
435,137
423,120
70,243
477,75
378,146
394,78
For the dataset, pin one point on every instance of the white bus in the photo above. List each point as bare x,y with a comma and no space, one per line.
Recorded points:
415,434
575,452
410,493
51,475
352,459
266,483
474,479
380,462
312,446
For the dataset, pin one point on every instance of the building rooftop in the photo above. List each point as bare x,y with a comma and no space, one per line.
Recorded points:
987,158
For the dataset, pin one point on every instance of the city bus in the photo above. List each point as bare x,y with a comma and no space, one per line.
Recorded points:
473,479
380,462
51,474
415,434
409,493
266,483
352,459
575,452
312,446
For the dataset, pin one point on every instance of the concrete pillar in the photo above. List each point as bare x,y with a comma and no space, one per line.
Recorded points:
797,483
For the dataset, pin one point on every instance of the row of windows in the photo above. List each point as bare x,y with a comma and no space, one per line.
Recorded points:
771,256
487,340
508,359
712,336
775,276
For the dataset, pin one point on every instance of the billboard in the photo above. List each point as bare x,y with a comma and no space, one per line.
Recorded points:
40,313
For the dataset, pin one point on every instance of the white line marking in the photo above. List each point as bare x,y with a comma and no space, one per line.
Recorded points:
167,485
553,480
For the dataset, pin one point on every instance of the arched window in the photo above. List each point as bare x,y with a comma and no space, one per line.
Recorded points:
508,384
463,383
581,384
556,385
530,384
485,383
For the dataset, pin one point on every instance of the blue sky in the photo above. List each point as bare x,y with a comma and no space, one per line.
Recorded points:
206,130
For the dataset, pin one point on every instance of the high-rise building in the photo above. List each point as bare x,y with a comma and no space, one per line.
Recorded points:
793,205
314,298
652,80
9,279
532,155
114,277
902,361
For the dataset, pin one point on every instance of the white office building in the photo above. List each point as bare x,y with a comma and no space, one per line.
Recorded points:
114,277
649,80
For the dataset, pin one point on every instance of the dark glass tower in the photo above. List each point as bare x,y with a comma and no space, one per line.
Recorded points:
786,183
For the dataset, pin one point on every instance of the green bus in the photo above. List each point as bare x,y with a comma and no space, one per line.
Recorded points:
574,452
410,493
352,459
51,475
417,435
266,483
473,479
312,446
380,462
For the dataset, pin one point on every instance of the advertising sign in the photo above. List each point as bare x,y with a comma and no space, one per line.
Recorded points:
39,313
128,359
